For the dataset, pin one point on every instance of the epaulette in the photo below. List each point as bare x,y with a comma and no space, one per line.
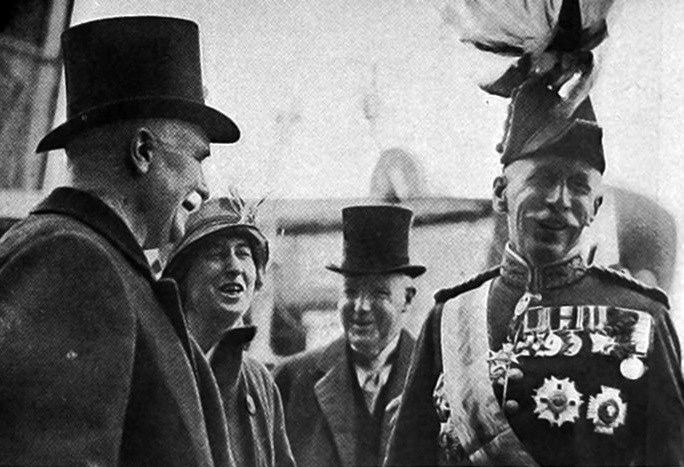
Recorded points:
654,293
443,295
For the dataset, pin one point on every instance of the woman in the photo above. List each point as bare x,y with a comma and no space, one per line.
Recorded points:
219,265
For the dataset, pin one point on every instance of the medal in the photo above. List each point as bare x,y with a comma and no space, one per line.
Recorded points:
607,410
552,346
524,303
601,343
500,364
632,368
573,344
558,401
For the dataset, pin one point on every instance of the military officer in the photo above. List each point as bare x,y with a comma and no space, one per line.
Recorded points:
545,360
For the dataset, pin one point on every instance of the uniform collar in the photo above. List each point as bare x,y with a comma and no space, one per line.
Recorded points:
93,212
516,271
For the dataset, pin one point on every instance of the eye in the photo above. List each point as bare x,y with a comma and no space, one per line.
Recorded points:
243,252
579,185
200,156
381,293
543,178
214,254
350,293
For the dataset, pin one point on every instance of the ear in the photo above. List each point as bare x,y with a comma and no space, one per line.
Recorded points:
142,150
410,293
598,201
499,202
259,282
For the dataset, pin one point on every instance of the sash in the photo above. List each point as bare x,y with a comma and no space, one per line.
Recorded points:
475,414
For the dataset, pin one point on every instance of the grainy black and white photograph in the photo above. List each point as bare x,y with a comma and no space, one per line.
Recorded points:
341,233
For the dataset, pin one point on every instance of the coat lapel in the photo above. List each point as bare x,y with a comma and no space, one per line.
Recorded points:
395,385
167,293
334,392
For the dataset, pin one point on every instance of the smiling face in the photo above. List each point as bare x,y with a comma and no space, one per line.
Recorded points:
220,283
549,201
175,183
372,309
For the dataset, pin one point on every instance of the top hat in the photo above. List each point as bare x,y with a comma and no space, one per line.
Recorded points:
135,67
228,216
376,241
540,124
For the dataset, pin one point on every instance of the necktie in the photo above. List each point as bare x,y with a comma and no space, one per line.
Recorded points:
371,389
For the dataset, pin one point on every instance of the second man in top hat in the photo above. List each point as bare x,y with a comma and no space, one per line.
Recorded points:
336,398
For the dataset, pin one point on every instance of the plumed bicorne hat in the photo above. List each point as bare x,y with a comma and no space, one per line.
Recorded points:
226,216
135,67
540,124
376,241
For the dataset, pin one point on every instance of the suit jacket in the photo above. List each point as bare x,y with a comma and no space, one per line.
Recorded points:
96,363
326,421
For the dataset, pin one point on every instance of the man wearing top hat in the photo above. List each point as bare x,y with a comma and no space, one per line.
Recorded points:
545,360
97,366
336,398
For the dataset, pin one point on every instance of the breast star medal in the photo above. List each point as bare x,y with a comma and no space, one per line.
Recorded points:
558,401
607,410
632,368
504,364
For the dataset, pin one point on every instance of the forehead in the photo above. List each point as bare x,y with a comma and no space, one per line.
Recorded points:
551,165
224,240
375,280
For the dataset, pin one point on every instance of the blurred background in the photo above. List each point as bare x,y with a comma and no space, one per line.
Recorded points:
347,102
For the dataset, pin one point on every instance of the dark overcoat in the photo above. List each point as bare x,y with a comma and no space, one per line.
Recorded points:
95,361
254,410
327,421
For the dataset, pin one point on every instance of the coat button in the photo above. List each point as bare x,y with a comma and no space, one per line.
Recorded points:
251,405
511,406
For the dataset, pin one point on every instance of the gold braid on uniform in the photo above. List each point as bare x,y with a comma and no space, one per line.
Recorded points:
612,275
444,295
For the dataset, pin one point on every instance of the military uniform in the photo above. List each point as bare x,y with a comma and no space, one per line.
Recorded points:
605,389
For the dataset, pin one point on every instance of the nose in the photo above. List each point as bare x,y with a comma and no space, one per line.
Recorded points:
559,196
202,187
362,303
231,264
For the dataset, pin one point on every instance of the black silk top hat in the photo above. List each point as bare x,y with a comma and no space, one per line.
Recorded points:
135,67
376,241
538,125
